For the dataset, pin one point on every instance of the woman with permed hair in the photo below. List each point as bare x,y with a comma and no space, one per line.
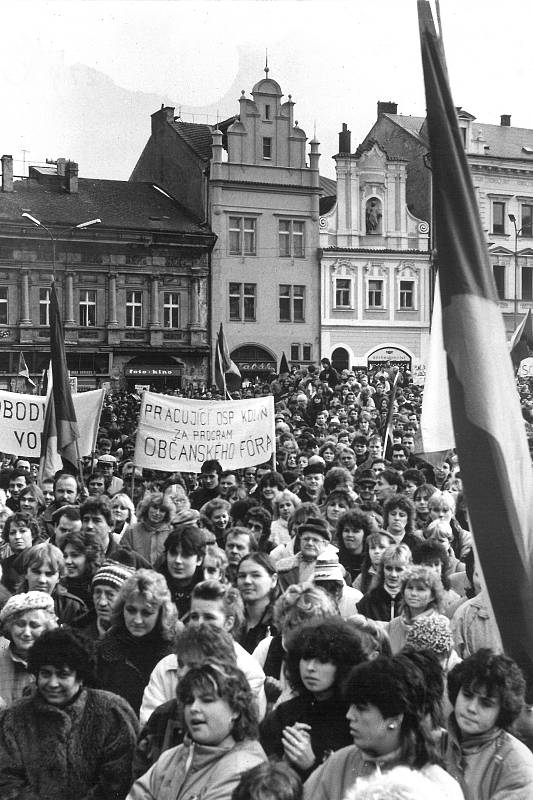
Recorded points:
421,596
66,740
143,624
147,536
487,694
307,728
382,601
399,520
352,530
222,744
386,701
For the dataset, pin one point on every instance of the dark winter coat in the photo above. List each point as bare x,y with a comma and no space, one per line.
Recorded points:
82,751
378,604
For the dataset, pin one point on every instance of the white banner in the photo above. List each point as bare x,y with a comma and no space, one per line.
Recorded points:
22,418
177,435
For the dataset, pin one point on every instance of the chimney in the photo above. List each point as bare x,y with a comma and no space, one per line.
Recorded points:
387,107
345,139
505,120
7,173
61,164
71,175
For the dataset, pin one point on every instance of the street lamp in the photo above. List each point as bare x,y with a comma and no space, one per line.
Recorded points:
517,231
39,224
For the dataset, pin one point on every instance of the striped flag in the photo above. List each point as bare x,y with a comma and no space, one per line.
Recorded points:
227,374
521,340
489,429
60,433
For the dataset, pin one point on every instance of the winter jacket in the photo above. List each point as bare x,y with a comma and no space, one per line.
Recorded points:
327,718
202,772
379,605
15,680
83,750
494,766
125,663
164,679
333,779
147,541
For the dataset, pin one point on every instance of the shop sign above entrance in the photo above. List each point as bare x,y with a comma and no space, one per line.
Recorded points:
152,372
389,354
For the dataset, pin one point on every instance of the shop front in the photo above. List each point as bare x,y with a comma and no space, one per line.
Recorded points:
255,363
395,356
156,377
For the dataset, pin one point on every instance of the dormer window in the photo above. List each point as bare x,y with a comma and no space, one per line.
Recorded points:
267,111
267,147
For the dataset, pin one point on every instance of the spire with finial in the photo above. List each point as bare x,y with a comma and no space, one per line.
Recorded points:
266,63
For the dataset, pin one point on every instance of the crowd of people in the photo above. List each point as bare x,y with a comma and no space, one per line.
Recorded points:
312,627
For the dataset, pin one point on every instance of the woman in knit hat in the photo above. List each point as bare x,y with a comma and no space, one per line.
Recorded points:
105,587
23,619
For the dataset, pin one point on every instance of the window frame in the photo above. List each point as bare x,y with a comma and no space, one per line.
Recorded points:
267,148
44,306
371,292
291,302
243,296
529,272
85,307
526,229
291,239
170,308
498,228
338,291
246,231
132,306
499,269
403,293
4,305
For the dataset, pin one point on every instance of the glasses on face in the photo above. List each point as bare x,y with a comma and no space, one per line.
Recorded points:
311,540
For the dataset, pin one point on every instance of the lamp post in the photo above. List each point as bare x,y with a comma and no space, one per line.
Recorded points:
517,232
39,224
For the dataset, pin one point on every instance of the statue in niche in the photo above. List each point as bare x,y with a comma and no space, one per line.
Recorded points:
373,216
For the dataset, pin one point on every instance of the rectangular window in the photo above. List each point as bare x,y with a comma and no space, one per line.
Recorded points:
375,294
44,306
291,238
171,310
527,283
242,236
527,220
295,352
498,217
242,302
342,292
291,303
267,147
87,308
307,352
3,305
499,279
267,111
134,309
407,294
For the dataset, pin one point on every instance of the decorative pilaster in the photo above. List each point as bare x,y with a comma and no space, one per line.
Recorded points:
155,322
25,317
70,300
112,310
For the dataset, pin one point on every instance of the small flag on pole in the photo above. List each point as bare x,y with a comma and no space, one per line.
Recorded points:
521,340
23,369
488,424
227,374
283,365
60,432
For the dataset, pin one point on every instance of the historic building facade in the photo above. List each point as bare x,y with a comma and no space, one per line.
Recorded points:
501,163
133,287
260,191
375,265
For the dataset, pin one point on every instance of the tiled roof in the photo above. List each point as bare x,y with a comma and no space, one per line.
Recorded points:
505,142
119,204
412,125
197,135
328,186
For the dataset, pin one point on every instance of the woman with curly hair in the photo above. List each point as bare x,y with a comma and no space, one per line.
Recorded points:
421,596
143,624
82,558
399,519
305,729
21,531
387,703
147,536
215,516
487,693
352,530
66,740
284,504
222,743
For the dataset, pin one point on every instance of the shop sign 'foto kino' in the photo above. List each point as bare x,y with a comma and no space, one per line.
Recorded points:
177,435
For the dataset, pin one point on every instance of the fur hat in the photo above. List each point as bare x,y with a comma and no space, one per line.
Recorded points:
315,525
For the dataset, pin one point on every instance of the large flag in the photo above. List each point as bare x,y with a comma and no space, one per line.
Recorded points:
283,365
23,369
521,340
489,429
227,374
60,426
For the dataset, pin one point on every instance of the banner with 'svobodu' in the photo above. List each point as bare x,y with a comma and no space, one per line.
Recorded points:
22,418
176,434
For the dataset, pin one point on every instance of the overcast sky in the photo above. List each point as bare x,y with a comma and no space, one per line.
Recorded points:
81,78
